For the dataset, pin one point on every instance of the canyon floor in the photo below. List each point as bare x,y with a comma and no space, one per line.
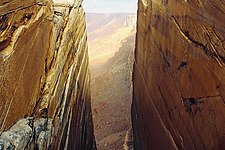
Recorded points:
111,47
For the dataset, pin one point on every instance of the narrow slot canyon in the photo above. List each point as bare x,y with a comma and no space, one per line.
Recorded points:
112,75
111,67
111,42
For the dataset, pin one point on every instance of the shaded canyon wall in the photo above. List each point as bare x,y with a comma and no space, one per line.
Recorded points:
179,87
44,76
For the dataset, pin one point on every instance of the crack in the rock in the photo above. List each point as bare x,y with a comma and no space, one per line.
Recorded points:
57,13
63,5
18,9
197,100
218,86
223,99
4,3
191,103
183,64
206,50
38,102
204,97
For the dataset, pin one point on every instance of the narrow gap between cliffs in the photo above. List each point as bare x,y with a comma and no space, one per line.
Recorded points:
111,42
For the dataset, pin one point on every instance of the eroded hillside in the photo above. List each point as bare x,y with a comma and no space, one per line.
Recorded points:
105,37
111,98
111,57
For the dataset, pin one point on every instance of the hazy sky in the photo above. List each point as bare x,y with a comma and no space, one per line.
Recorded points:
110,6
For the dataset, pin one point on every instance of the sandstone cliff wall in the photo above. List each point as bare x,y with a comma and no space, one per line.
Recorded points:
179,86
44,76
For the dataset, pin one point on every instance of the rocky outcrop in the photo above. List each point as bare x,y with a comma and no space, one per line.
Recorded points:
131,20
179,88
27,133
44,75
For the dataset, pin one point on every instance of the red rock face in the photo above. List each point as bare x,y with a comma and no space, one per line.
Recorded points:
179,87
44,76
23,49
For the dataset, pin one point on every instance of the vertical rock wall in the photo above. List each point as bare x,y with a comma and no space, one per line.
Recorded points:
44,76
179,87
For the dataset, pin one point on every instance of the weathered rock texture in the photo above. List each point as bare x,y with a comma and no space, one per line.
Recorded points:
27,133
179,87
44,75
